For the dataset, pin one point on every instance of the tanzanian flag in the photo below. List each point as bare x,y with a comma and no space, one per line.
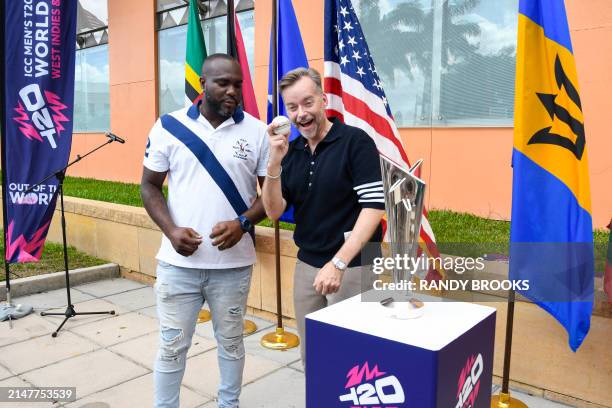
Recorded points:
195,55
551,232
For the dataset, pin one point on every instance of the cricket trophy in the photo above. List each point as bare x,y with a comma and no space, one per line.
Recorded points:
404,196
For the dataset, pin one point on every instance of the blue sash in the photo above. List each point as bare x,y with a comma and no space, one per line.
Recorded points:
207,158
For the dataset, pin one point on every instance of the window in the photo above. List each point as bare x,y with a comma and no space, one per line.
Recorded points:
444,62
91,88
172,40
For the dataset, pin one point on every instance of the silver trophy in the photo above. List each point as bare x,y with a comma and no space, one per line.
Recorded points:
404,196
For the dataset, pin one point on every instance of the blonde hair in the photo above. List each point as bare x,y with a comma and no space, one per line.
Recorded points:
295,75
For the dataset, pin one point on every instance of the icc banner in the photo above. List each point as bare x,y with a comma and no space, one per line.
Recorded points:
40,37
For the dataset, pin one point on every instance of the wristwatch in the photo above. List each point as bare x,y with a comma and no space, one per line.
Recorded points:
339,263
245,224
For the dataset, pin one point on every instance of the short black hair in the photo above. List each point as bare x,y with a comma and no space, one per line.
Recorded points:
218,56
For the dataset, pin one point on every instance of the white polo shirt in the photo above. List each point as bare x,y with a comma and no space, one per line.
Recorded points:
194,199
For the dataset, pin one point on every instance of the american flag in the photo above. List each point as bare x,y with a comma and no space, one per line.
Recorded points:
356,96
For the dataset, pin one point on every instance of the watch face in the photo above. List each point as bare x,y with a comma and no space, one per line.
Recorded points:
339,264
245,223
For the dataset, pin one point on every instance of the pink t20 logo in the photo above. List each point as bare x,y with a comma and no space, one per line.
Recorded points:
469,382
372,388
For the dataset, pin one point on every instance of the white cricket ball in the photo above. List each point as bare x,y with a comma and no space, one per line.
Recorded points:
283,125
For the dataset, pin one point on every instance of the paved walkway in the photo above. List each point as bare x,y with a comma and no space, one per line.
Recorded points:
109,359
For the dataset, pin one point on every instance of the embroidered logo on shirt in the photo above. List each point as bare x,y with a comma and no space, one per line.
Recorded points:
241,149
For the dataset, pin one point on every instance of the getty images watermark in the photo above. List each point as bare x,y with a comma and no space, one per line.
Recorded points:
421,264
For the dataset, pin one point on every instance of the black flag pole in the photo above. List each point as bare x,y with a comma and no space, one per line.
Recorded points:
204,314
503,399
279,339
7,268
232,49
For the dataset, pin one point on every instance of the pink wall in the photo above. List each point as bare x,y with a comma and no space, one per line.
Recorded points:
467,169
133,94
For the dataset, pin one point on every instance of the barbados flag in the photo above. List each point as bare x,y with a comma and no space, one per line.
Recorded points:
551,230
195,55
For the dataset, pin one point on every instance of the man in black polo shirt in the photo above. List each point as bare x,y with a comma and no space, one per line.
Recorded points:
331,176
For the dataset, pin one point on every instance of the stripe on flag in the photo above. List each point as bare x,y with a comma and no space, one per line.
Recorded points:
551,230
355,95
291,54
194,56
249,102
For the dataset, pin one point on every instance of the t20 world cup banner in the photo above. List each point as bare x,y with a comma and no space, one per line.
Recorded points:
40,37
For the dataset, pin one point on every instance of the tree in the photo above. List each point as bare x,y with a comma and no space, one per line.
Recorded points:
402,40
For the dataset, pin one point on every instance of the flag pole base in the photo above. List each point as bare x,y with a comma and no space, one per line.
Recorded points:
204,316
280,340
249,327
504,400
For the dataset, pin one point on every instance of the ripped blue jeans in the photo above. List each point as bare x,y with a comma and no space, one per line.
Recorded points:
181,292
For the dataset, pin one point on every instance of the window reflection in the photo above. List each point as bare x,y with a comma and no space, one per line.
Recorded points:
444,62
91,90
91,15
215,6
171,51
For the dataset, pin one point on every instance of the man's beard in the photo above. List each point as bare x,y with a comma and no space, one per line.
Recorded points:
313,132
218,108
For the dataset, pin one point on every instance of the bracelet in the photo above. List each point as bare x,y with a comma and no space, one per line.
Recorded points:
274,177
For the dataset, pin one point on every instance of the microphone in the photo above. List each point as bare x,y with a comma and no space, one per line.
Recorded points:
114,137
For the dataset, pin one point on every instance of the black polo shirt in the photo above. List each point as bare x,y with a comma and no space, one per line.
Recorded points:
329,187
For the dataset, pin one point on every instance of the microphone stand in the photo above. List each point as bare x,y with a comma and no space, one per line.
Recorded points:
60,175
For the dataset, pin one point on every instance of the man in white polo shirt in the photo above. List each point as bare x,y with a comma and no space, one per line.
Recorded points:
213,154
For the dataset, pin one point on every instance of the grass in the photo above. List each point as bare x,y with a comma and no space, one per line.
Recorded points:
468,235
454,227
448,226
108,191
282,225
52,260
455,232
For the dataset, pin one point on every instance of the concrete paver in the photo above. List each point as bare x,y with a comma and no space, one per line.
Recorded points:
52,299
150,311
133,299
202,373
117,328
25,328
94,305
110,358
20,357
253,346
89,373
284,388
136,393
144,349
272,391
19,382
297,366
109,287
4,373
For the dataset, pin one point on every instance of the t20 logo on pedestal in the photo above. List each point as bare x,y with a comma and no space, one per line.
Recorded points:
469,382
371,387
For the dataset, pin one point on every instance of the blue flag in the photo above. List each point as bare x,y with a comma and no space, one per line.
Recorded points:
39,43
551,234
290,55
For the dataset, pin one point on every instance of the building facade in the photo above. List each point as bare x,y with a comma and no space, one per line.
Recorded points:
447,68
